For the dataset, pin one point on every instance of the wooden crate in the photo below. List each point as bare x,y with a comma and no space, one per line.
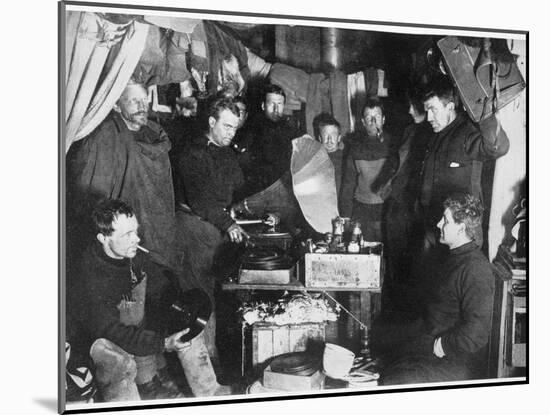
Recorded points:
336,271
269,340
258,276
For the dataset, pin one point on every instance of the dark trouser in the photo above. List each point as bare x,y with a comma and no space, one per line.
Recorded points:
370,217
197,242
407,353
398,231
424,369
206,257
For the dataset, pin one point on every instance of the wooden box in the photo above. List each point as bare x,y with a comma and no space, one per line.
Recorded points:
293,383
336,271
269,340
257,276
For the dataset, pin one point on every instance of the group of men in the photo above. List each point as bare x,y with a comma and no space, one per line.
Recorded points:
122,173
421,195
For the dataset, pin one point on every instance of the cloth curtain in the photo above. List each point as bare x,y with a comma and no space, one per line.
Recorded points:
94,81
357,95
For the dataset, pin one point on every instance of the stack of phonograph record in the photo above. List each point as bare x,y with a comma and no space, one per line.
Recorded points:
266,265
294,371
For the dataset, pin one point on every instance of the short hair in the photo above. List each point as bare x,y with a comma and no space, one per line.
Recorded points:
442,88
106,212
465,209
220,104
273,89
322,120
373,102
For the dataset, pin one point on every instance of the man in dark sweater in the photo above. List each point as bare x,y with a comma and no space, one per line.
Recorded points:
449,342
118,299
212,179
271,147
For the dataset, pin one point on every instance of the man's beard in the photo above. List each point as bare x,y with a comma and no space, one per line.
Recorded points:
275,117
139,118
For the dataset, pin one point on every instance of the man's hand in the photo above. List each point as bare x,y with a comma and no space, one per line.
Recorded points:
172,343
236,233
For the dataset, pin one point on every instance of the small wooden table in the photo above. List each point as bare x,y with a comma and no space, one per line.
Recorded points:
369,308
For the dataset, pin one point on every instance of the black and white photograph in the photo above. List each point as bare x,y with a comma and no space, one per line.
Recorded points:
257,207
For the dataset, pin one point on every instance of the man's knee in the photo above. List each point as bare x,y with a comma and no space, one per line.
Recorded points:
113,364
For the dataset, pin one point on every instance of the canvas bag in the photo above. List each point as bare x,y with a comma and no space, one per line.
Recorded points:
486,80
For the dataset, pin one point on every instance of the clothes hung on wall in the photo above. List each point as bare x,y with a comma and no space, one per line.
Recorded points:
361,85
320,93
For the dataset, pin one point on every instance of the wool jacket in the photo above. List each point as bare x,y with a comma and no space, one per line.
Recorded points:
211,178
454,161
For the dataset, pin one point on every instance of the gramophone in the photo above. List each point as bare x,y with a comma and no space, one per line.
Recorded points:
307,190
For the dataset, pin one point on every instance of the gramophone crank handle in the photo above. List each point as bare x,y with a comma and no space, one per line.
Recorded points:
248,221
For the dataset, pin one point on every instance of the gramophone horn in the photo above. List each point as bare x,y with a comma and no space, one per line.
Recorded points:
313,183
309,186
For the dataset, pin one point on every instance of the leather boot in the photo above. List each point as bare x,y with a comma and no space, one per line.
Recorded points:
199,371
155,390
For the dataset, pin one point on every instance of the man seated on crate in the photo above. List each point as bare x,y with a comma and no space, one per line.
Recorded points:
118,298
449,342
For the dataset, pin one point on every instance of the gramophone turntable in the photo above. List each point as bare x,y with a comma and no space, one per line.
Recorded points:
267,258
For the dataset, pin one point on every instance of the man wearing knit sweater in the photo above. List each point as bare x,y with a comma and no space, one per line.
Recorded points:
449,342
370,165
118,301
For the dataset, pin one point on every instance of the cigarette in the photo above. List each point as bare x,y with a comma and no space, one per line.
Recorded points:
142,249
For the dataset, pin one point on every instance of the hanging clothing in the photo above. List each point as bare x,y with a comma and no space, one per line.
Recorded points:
339,100
163,60
221,45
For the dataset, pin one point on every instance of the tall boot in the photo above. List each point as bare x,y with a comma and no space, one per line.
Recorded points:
198,370
115,372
